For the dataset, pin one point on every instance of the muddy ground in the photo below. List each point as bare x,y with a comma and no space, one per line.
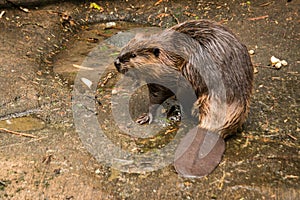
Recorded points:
39,48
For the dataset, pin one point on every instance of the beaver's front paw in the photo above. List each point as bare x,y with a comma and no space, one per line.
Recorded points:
146,117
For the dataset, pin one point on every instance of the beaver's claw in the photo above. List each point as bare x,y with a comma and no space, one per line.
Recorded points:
146,117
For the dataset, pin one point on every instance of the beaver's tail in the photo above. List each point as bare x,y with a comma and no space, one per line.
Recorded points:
199,153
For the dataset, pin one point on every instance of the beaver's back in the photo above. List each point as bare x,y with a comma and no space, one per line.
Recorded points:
228,53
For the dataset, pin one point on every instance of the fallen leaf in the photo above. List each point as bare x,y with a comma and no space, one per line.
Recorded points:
96,6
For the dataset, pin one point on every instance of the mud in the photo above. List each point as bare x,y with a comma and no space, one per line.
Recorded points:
38,53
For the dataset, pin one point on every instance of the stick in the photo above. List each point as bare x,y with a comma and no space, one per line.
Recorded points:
17,133
2,13
176,19
23,143
82,67
257,18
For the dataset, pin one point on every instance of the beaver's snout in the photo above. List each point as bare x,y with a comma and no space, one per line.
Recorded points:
121,68
118,64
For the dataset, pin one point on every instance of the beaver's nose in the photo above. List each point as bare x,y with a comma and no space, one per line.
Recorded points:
117,64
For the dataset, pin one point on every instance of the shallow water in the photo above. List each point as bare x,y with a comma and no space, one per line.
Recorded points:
26,123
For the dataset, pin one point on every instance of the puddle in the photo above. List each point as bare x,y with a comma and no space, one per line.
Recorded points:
69,61
24,124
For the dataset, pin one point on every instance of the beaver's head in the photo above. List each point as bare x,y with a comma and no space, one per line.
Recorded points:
149,54
136,58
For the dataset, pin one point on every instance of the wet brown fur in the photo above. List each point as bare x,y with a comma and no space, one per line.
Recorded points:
158,56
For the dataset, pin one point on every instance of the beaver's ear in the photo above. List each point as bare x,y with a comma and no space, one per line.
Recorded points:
156,52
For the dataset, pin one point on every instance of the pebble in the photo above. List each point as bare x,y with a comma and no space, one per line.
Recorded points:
110,25
114,91
277,63
284,63
251,52
97,171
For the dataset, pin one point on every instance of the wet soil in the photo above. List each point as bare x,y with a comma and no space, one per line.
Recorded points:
41,54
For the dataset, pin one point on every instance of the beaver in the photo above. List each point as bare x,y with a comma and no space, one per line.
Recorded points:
206,66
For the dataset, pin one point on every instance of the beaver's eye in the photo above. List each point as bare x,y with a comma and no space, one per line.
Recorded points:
132,55
156,52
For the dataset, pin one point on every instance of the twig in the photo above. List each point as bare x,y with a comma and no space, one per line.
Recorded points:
176,19
266,4
22,143
221,182
17,133
82,67
3,183
290,176
258,18
2,13
291,136
158,2
32,24
267,67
